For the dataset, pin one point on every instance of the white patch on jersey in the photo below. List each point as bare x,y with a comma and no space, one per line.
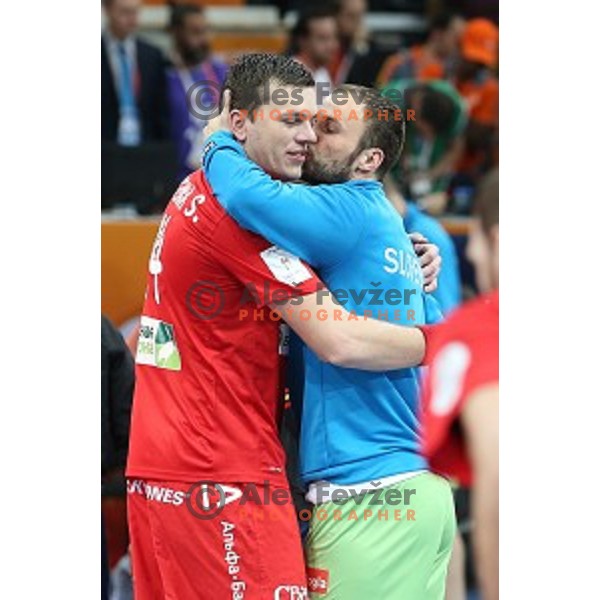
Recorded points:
285,267
448,374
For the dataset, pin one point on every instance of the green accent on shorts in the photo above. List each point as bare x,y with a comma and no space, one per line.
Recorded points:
401,558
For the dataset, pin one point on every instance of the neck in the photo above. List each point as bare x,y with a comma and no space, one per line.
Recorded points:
359,176
308,62
117,35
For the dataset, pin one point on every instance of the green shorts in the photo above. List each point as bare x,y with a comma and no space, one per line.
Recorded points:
392,544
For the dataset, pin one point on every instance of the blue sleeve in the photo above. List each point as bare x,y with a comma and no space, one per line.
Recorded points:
433,312
320,224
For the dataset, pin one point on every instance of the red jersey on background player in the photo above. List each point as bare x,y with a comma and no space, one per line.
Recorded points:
464,359
460,393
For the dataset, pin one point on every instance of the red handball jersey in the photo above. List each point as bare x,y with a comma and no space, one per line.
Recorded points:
207,392
463,356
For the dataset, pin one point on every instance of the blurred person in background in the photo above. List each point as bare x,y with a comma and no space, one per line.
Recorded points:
117,394
358,60
477,83
460,393
435,59
434,140
134,102
192,65
448,292
315,43
116,390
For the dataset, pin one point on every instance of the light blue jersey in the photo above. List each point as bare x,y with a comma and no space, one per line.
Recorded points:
356,425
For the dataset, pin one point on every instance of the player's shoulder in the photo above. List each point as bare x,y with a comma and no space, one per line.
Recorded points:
198,180
195,201
351,198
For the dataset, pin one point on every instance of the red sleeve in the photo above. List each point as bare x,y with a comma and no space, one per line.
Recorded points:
461,362
269,271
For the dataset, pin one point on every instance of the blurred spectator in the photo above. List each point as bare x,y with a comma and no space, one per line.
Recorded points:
434,140
460,429
358,60
117,373
435,59
315,42
193,65
477,83
448,292
105,570
134,104
116,389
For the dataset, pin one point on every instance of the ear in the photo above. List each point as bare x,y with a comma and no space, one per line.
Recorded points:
369,160
238,123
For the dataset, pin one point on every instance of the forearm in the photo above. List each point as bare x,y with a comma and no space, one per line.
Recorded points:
378,346
353,341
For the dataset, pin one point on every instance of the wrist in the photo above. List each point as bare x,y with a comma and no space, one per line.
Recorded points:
426,331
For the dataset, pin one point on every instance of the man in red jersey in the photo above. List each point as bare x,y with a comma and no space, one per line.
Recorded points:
460,394
204,451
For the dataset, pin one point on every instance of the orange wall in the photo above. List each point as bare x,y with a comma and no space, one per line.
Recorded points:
126,249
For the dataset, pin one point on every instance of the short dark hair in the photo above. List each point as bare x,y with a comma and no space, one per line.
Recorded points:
302,27
179,12
387,134
487,200
250,72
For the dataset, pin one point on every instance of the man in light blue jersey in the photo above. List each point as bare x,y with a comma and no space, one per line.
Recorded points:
385,525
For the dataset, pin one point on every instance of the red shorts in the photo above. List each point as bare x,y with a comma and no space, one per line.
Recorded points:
187,546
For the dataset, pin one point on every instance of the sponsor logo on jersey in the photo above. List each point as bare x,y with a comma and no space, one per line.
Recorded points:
233,561
318,580
156,493
156,345
291,592
284,266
